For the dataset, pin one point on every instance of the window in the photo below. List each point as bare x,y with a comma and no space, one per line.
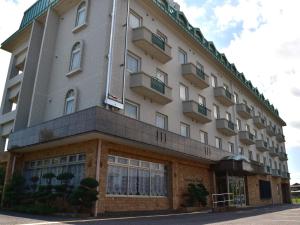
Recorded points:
162,36
182,56
226,87
236,98
265,189
241,150
257,157
135,20
228,116
247,127
70,102
160,75
203,137
250,155
255,133
74,164
265,160
81,14
133,177
253,110
161,121
214,81
133,63
75,61
184,130
183,91
218,142
131,110
230,147
201,100
216,112
238,124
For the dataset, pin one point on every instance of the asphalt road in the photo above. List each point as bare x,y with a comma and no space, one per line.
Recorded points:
282,215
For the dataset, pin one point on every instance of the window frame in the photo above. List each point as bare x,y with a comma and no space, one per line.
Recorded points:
72,70
137,58
219,141
186,90
188,129
205,136
78,26
185,56
128,102
165,118
136,15
214,81
216,111
68,99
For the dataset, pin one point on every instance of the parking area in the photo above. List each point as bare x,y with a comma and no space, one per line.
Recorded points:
285,214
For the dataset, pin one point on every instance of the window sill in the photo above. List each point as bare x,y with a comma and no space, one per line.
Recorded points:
73,72
79,28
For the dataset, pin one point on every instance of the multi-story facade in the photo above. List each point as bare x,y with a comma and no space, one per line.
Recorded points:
128,92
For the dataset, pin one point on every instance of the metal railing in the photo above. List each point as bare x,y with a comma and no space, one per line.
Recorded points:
228,94
202,109
222,200
200,73
231,125
157,85
158,41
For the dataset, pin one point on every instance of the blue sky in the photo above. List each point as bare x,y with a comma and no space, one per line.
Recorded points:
259,36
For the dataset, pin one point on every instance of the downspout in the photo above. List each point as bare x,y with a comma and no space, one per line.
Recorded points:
111,42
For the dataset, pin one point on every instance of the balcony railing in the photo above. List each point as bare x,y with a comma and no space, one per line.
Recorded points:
152,44
158,42
150,87
223,96
226,127
283,156
259,122
195,75
262,145
157,85
280,137
244,111
271,131
196,111
267,170
246,137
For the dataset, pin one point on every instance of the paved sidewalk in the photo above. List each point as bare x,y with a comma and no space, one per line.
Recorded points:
282,215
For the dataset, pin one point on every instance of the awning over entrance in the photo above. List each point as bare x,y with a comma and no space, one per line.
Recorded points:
239,166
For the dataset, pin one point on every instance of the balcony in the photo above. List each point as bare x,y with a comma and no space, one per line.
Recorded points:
152,44
259,122
274,152
283,156
196,111
244,111
280,137
150,87
223,96
226,127
196,76
262,145
276,172
285,175
246,137
267,170
271,131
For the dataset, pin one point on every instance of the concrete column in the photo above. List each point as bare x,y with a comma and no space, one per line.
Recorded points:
10,167
174,195
43,73
29,76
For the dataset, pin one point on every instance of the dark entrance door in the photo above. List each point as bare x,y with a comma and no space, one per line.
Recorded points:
285,193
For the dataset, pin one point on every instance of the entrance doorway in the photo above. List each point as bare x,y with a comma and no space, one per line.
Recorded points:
285,193
236,186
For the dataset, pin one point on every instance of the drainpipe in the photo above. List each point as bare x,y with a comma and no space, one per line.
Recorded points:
98,159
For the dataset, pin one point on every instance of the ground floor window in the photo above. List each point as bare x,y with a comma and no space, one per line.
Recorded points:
74,164
265,189
135,177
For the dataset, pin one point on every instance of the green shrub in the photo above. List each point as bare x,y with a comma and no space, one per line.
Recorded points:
197,194
14,191
40,209
85,195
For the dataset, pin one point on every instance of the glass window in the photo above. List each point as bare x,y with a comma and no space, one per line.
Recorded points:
236,98
131,110
214,81
135,20
228,116
160,75
182,56
161,121
133,63
257,157
184,130
255,133
70,102
81,14
201,100
139,178
241,151
216,112
250,155
218,142
247,127
238,124
75,57
203,137
183,92
230,147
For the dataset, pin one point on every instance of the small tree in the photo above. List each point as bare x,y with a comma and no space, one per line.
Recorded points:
14,190
34,180
85,195
198,194
64,189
